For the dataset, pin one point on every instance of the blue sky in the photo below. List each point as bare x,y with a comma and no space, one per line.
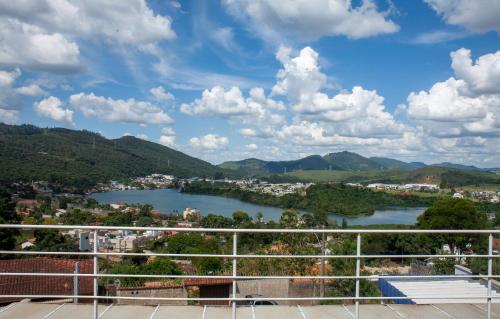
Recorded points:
414,80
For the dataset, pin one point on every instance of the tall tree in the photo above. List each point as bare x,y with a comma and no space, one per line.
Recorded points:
449,213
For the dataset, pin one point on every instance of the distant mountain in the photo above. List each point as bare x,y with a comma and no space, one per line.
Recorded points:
254,167
352,162
390,163
83,158
340,161
250,166
458,166
313,162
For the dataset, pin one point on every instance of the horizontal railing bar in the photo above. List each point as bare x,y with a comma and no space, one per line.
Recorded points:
245,299
68,253
403,277
260,230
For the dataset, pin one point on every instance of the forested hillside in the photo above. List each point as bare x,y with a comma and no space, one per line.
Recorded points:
83,158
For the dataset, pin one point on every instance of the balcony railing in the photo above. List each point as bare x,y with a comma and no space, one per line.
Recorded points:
235,256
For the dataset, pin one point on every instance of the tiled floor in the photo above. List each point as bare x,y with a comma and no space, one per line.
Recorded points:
28,310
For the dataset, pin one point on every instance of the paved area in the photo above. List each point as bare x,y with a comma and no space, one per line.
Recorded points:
28,310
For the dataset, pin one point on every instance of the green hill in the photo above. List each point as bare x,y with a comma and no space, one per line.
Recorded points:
429,174
83,158
390,163
352,162
256,167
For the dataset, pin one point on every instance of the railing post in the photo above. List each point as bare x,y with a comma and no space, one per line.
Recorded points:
96,314
490,272
358,266
75,282
235,263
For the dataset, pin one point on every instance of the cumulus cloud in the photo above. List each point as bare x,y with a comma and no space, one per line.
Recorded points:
482,76
476,16
251,147
126,111
42,35
31,90
167,137
161,95
256,109
51,107
300,76
468,105
312,19
301,81
209,142
8,116
28,45
128,21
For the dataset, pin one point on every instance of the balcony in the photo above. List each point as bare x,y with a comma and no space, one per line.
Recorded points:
64,284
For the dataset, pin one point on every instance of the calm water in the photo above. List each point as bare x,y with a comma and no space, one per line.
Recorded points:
170,200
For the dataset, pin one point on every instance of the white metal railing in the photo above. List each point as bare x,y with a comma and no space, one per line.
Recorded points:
95,254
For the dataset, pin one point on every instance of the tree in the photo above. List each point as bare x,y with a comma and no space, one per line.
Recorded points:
210,265
7,216
241,217
216,221
449,213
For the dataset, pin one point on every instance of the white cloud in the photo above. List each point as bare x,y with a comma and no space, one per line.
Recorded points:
482,76
301,80
126,111
31,90
476,16
256,110
209,142
143,136
251,147
167,140
127,21
9,78
51,107
467,106
8,116
300,76
44,34
249,132
167,137
438,37
312,19
160,94
28,45
445,103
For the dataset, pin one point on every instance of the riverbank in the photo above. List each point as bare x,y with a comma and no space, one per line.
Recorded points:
320,198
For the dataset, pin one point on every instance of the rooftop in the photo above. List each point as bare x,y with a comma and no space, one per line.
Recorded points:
28,310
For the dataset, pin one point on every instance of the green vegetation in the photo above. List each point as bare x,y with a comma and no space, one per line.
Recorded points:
82,158
429,174
159,266
352,162
7,216
320,198
449,213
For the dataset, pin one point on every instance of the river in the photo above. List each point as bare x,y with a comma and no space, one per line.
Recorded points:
170,200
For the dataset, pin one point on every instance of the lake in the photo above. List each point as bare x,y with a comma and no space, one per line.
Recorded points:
171,200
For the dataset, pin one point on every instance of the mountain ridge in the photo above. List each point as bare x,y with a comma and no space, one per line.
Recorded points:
344,161
84,158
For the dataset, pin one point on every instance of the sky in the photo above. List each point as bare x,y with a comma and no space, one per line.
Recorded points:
277,80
